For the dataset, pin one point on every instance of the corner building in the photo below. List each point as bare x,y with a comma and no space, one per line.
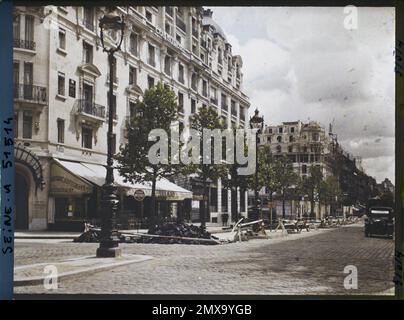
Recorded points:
60,104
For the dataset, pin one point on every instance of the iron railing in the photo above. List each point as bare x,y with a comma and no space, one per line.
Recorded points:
24,44
90,108
29,92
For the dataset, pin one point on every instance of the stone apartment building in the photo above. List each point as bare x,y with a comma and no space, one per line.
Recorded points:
60,101
308,144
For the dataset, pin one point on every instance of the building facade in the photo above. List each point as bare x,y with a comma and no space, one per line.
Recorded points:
308,144
61,89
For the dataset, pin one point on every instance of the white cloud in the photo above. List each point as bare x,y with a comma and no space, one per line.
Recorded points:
301,63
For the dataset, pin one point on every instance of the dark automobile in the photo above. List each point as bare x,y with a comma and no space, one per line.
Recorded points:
379,222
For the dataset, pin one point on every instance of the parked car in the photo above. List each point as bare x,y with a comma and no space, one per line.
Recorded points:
379,222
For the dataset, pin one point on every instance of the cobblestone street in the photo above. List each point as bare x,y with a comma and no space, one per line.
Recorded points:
310,263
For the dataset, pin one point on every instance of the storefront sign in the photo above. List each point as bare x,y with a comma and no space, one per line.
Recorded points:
139,195
168,38
63,182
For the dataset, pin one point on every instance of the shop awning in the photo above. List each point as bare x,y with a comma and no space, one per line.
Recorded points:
66,182
165,190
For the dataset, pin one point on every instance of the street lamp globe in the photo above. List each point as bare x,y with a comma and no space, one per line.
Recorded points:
257,122
110,23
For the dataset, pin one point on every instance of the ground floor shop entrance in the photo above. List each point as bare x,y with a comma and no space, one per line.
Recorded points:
21,202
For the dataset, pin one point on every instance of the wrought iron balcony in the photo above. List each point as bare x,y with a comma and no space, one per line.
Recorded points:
90,108
24,44
30,93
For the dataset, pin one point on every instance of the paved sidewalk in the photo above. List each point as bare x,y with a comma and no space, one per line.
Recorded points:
33,274
71,235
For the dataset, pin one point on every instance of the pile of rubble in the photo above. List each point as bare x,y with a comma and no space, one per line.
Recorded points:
166,233
180,230
170,233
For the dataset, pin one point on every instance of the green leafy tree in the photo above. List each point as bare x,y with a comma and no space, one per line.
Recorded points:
206,118
328,192
285,179
267,173
311,186
157,110
234,181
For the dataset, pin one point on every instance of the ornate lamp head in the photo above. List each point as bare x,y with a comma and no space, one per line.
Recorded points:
112,23
257,122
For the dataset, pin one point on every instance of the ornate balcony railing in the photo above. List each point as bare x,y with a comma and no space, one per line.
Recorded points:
90,108
24,44
31,93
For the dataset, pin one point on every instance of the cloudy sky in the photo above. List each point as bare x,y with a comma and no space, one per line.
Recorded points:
301,63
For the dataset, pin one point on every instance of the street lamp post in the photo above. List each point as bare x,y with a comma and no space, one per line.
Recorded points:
256,122
109,244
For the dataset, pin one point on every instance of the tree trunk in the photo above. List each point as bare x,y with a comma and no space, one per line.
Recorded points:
270,209
283,205
312,204
153,215
234,212
204,203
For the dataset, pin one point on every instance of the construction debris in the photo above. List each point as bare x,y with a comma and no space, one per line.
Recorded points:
168,233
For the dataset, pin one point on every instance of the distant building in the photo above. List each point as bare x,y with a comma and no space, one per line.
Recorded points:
306,145
386,186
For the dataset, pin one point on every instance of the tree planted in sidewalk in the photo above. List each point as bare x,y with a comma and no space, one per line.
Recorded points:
206,118
285,179
233,181
311,185
157,110
329,192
